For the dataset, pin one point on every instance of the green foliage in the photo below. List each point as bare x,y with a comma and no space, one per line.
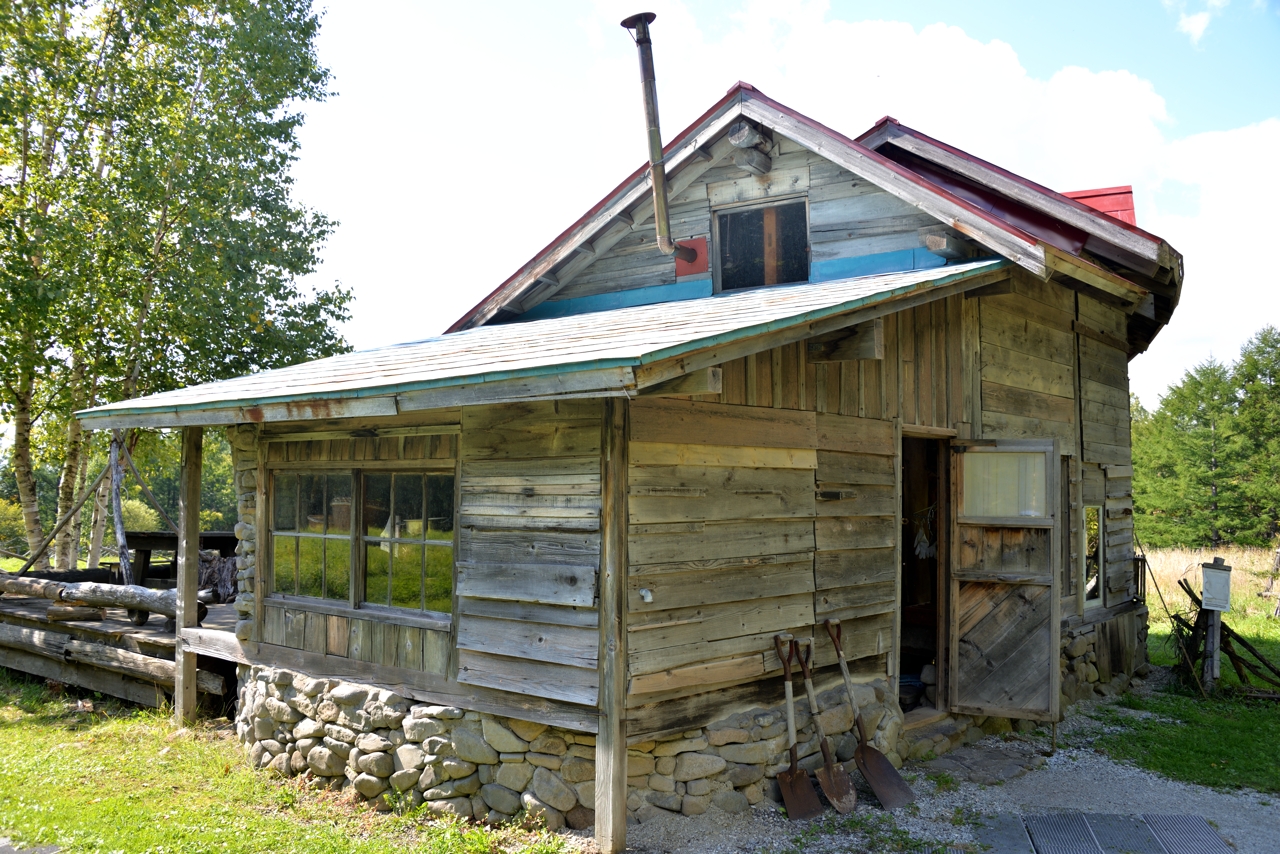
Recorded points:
139,516
1221,742
1207,461
13,536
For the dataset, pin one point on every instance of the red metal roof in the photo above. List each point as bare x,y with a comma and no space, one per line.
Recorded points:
1116,202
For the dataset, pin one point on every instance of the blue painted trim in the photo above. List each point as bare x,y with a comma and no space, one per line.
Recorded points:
871,265
675,292
648,358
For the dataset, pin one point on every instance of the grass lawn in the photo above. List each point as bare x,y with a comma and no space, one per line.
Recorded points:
1222,743
120,779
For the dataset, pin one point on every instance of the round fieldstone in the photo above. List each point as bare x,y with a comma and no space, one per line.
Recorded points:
731,801
553,791
526,729
549,744
308,728
456,768
325,762
502,739
539,810
373,743
378,764
349,694
420,729
577,769
461,807
403,781
695,804
409,757
514,775
580,817
369,785
692,766
501,798
471,747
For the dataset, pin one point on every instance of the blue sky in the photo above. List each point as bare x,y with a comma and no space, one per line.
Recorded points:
463,137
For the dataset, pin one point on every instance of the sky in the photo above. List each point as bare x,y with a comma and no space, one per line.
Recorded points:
462,138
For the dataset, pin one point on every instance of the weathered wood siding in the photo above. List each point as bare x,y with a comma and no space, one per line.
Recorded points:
848,217
529,549
920,379
724,529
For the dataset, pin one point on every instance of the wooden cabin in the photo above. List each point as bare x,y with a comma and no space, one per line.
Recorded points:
550,549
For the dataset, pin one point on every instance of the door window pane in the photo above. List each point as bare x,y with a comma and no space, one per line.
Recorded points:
311,500
408,506
439,579
440,507
1091,552
377,505
1005,485
337,569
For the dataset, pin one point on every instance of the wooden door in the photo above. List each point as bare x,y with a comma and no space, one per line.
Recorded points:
1005,585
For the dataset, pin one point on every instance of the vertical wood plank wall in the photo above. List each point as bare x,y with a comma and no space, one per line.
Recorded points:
529,549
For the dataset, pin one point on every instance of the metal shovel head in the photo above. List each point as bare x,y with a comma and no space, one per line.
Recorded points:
882,777
838,787
798,795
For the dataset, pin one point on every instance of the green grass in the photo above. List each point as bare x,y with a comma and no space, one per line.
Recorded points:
1221,742
120,779
1260,630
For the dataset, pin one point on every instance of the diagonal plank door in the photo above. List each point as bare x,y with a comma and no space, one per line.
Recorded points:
1005,623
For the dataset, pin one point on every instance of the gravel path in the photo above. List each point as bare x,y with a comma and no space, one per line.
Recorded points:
1076,778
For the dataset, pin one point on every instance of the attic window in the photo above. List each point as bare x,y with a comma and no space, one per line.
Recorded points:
763,246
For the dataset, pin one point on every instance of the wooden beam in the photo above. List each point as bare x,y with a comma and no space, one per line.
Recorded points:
1090,274
184,689
864,341
753,160
611,738
705,381
597,383
945,243
1099,336
995,290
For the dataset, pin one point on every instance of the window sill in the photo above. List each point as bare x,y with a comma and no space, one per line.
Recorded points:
413,619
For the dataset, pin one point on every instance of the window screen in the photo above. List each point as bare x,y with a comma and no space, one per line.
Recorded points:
763,246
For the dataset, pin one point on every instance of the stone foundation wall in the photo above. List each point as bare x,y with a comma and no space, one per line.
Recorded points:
391,750
1082,678
244,455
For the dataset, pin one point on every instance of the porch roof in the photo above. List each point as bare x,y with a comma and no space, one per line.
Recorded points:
586,355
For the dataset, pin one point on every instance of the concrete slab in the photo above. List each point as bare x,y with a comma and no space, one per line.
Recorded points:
1003,834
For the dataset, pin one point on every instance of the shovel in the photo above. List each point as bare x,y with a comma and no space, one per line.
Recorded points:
797,792
835,781
878,771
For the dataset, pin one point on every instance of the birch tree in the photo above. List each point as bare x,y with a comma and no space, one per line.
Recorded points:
148,237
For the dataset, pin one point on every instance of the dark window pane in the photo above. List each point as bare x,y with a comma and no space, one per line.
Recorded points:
310,566
337,569
741,249
285,515
406,576
439,579
377,572
440,507
339,504
408,506
282,563
311,500
763,246
377,505
793,244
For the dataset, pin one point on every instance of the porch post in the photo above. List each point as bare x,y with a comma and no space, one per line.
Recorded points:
184,688
611,740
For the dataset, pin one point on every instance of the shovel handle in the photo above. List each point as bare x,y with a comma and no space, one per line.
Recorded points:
833,629
779,641
806,657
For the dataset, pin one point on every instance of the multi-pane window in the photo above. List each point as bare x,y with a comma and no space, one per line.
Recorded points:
763,246
408,540
365,538
1091,553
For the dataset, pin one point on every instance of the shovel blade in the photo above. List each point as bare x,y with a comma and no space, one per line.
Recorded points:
883,778
798,795
838,787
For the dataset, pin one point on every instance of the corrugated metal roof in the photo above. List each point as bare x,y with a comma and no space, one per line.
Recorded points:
625,337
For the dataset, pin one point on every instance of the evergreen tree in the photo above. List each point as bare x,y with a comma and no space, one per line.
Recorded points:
1257,380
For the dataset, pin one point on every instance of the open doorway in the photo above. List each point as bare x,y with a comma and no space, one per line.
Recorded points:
923,521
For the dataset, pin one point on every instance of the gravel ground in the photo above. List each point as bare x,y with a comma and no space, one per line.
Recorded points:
1075,778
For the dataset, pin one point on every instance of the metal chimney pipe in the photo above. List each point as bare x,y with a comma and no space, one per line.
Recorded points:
661,217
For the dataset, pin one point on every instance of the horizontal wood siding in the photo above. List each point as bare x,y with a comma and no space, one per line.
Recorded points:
376,639
529,549
722,549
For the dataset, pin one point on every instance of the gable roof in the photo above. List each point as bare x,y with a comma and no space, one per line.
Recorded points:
1032,226
616,352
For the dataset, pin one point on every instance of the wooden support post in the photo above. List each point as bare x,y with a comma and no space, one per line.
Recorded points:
1212,650
611,739
184,689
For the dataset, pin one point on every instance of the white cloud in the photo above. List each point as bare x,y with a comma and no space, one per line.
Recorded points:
1193,25
461,145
